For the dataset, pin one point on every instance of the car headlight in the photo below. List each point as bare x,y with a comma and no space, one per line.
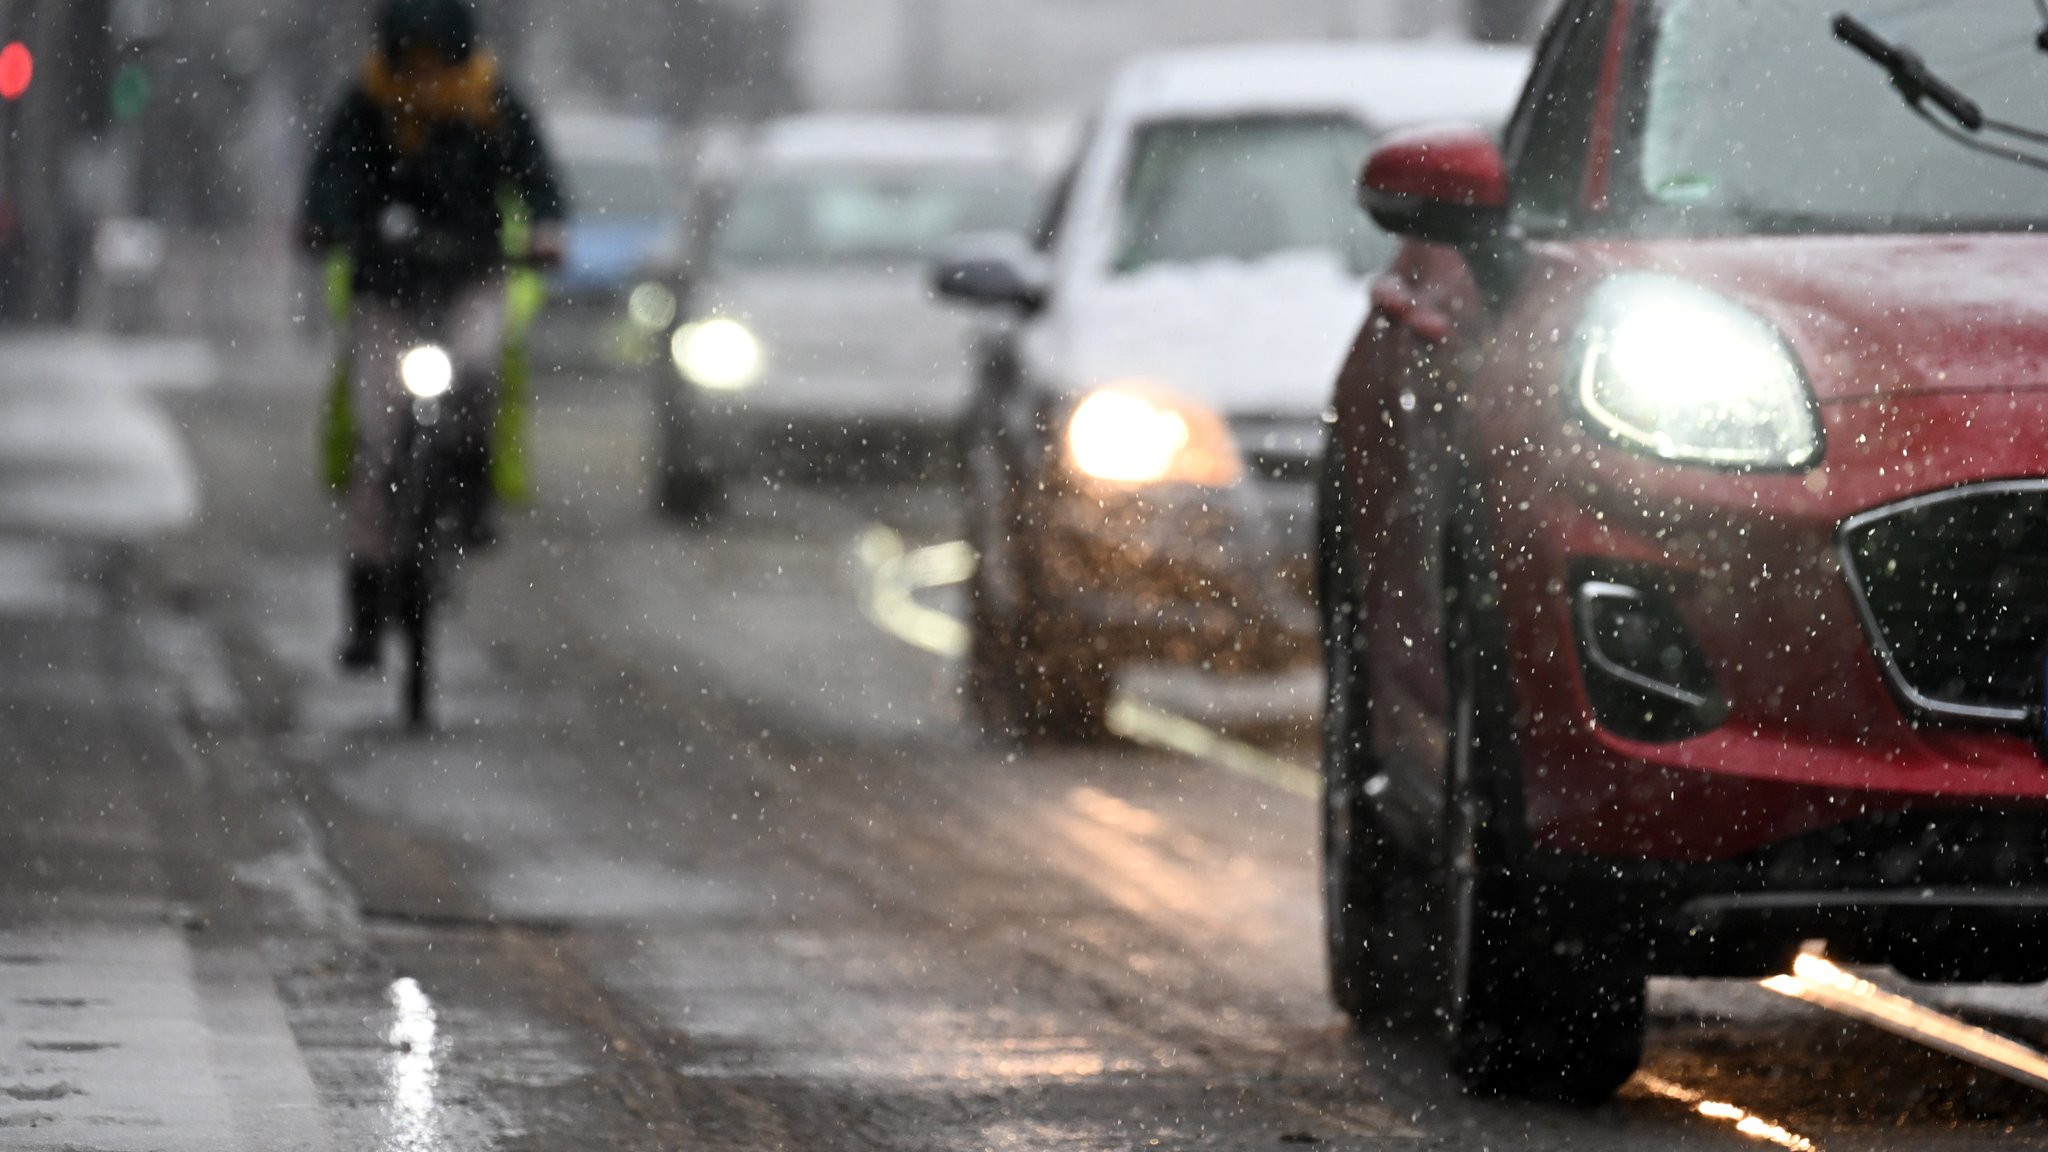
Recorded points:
1673,370
1136,434
718,353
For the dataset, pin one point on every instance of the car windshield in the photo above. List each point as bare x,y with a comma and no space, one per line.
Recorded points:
1200,190
866,216
1759,120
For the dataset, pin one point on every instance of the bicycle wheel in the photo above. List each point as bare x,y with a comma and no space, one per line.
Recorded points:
415,559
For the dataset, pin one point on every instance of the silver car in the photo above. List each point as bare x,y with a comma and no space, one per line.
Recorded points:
809,339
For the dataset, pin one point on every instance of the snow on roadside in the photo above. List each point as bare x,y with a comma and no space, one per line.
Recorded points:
85,448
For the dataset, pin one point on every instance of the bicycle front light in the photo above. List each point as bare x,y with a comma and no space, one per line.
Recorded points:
426,371
1672,370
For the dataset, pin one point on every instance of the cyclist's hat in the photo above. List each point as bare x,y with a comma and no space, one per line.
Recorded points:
445,28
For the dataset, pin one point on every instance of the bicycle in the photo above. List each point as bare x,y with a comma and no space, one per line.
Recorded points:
425,518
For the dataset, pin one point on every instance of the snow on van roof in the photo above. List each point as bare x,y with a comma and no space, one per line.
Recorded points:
889,139
1389,83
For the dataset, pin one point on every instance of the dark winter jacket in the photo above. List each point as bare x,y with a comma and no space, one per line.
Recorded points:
452,179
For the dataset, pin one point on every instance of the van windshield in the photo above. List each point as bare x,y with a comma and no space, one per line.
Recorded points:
1245,189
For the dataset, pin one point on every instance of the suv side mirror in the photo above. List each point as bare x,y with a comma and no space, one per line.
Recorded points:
998,268
1444,185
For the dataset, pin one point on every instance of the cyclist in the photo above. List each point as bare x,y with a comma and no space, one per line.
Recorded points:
428,143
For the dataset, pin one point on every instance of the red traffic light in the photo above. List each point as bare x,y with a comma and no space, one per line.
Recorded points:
17,69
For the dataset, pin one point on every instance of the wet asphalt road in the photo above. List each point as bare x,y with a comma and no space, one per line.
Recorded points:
702,858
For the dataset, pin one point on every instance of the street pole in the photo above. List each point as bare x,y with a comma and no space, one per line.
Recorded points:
39,132
923,49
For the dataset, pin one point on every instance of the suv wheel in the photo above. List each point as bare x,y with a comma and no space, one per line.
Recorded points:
1539,998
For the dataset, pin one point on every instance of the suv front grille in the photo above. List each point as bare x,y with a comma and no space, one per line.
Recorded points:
1954,590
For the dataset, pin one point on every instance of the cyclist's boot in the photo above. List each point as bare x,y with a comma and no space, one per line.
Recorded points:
361,649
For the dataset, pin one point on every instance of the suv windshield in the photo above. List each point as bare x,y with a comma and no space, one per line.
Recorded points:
1759,120
1246,189
866,216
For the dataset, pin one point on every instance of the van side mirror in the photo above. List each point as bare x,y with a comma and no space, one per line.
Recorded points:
993,269
1443,185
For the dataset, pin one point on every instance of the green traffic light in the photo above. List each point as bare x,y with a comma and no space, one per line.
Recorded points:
131,92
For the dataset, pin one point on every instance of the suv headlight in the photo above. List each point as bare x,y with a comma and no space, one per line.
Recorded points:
1673,370
1139,434
718,353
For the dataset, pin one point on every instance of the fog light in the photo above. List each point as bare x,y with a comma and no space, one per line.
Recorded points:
1645,675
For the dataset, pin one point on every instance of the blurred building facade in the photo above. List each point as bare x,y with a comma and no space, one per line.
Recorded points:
1057,54
196,116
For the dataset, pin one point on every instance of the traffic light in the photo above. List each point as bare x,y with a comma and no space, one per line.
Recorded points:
130,94
17,70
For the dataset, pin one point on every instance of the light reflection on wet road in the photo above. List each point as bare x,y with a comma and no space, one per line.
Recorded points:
1754,1127
414,1076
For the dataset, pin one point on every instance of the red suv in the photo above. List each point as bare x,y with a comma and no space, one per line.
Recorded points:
1685,529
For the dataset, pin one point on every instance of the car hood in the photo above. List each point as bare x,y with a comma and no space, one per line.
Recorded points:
1884,316
846,334
1265,337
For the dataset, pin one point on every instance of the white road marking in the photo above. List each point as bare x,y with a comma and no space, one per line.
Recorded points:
895,576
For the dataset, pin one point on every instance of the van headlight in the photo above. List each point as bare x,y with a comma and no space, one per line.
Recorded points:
719,353
1672,370
1139,434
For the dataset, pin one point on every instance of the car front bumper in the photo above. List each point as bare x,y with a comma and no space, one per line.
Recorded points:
1811,735
1178,574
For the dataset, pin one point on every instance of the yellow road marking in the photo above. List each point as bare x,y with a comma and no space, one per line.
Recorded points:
1159,728
896,575
894,579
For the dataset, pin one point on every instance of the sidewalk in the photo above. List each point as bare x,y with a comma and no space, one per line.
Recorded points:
135,1011
85,451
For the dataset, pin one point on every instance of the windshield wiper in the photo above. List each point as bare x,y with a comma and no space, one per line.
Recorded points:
1910,74
1919,85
